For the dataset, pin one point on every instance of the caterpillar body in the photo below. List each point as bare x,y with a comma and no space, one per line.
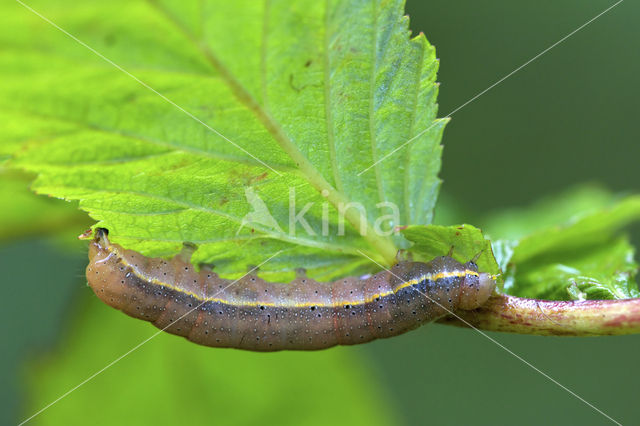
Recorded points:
305,314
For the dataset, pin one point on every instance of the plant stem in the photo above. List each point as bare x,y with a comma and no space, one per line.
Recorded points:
552,318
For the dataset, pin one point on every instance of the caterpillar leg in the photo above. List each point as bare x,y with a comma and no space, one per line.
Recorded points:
450,254
252,270
404,256
187,251
477,256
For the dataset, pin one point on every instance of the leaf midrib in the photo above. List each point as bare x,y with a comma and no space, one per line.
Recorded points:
331,138
412,131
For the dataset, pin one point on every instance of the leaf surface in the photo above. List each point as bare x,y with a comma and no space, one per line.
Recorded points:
212,107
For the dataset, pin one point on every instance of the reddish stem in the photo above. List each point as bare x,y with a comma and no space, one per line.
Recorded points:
552,318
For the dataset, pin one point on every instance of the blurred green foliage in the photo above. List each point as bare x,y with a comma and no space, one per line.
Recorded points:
24,214
170,382
35,310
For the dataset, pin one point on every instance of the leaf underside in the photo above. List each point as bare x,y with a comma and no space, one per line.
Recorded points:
309,94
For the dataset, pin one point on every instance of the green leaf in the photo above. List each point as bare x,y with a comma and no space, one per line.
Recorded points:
604,271
572,253
311,94
591,229
466,241
202,385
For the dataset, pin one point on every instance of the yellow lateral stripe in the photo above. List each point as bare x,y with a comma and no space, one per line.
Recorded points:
430,277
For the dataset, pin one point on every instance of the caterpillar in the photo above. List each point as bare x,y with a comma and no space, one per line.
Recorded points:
304,314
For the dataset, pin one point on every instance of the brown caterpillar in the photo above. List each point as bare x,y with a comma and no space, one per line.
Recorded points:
305,314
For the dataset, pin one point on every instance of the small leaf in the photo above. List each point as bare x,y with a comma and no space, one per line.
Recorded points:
605,271
466,241
579,256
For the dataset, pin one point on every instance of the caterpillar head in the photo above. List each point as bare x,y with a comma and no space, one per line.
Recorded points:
476,287
99,243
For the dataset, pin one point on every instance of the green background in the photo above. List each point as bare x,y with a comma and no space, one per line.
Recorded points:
567,118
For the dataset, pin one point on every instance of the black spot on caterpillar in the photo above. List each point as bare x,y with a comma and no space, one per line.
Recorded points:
305,314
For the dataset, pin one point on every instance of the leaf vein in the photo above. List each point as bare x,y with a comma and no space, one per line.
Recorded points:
331,142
